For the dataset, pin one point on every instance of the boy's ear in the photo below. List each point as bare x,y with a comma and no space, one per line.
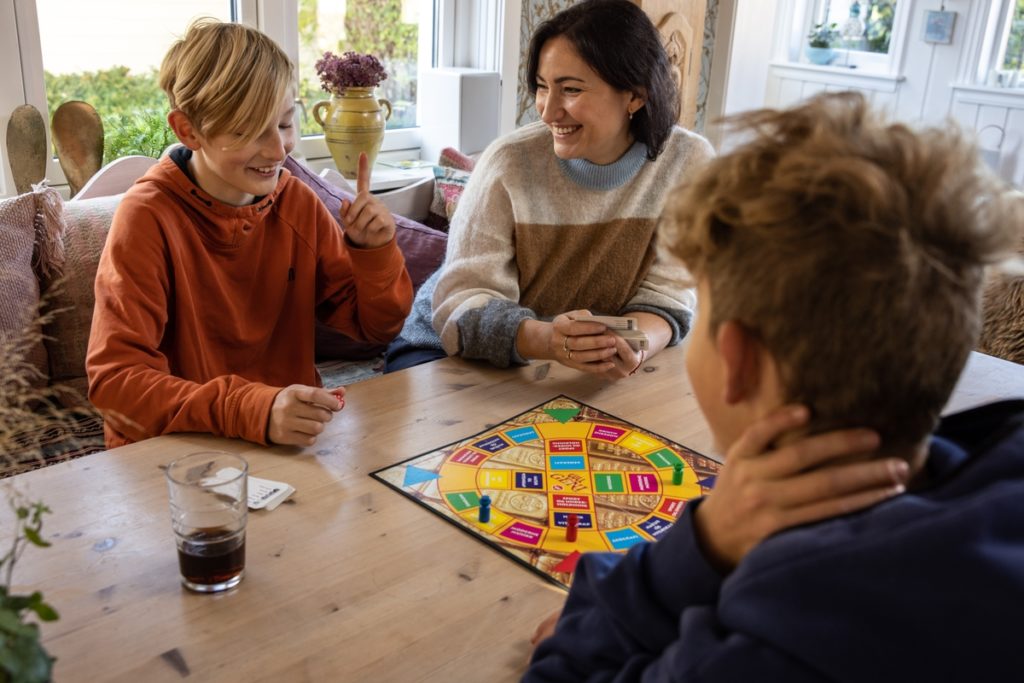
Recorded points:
183,129
741,357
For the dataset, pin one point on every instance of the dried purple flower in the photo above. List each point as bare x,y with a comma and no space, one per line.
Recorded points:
351,70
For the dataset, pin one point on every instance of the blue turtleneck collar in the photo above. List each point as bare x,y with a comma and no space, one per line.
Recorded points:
596,177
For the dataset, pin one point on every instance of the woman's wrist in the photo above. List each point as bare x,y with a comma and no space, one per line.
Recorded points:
658,331
531,339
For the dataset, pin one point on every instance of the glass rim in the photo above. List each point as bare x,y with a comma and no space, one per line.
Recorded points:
242,464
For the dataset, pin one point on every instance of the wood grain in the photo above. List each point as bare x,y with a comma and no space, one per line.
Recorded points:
348,581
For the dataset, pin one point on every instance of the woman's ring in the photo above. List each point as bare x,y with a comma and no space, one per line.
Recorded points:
565,347
568,354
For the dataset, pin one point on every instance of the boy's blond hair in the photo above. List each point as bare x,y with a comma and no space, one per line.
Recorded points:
855,251
227,78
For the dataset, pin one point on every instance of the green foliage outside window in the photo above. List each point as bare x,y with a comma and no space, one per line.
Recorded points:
373,27
134,109
878,24
1014,59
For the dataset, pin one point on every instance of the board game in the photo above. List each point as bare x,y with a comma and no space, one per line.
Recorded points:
562,478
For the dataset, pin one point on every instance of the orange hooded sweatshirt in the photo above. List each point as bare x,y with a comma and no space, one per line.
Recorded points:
204,310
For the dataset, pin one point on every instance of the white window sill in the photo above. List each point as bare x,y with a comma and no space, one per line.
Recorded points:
969,93
838,75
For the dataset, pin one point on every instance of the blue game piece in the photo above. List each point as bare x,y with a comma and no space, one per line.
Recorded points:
485,509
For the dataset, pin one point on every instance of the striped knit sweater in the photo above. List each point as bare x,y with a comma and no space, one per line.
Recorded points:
535,236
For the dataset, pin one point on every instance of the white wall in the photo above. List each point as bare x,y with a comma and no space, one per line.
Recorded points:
933,82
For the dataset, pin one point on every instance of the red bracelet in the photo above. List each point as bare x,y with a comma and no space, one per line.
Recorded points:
634,370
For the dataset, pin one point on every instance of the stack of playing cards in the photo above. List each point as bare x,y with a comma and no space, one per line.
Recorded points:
626,328
263,493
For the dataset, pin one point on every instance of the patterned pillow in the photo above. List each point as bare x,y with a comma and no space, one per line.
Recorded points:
450,177
453,158
87,223
30,226
449,183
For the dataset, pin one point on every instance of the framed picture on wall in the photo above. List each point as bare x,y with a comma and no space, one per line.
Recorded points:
938,27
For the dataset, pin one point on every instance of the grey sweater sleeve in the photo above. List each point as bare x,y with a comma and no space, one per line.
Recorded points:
489,332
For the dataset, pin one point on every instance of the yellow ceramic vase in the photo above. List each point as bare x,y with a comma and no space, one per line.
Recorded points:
353,122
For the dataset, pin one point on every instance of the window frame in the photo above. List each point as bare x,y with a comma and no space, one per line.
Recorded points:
279,19
22,81
998,23
797,18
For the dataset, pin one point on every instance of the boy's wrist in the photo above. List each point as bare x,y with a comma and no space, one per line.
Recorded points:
708,540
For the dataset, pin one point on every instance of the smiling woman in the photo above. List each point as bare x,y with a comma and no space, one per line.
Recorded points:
559,217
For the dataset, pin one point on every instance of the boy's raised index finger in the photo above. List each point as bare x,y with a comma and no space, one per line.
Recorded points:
363,174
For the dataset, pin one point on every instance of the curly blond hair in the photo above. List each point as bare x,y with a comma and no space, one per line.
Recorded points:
227,78
855,250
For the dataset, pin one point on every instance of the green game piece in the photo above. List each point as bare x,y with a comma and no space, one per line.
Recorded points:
563,415
677,474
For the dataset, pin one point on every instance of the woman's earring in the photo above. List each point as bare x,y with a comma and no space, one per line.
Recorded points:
631,115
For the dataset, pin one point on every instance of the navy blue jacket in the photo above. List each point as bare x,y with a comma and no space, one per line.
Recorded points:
928,586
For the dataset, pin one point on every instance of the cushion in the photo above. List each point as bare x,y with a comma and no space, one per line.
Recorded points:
450,177
29,252
53,438
87,223
422,247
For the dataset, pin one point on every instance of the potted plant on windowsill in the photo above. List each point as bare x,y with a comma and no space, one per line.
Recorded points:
819,43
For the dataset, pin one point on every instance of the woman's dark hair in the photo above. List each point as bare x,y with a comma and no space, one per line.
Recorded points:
617,40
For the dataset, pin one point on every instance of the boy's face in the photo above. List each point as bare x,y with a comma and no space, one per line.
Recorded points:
706,368
238,175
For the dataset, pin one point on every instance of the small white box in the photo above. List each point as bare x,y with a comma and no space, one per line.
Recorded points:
459,108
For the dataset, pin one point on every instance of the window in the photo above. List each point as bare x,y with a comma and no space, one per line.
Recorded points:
387,29
1004,68
862,26
52,51
853,34
118,73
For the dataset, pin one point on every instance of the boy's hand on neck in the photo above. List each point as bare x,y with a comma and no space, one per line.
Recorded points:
764,489
367,222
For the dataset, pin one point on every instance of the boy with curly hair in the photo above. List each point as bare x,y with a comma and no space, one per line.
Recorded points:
851,534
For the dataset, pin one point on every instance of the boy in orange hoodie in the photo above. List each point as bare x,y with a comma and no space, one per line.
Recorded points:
218,263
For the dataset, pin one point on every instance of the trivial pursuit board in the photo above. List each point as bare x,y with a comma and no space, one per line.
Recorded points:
559,459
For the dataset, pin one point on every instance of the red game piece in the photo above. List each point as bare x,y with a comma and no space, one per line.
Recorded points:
571,528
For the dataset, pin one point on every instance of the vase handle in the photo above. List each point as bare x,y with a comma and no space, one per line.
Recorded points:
387,105
318,109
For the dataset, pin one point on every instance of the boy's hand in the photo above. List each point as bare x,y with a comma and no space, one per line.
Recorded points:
763,489
367,222
546,628
299,414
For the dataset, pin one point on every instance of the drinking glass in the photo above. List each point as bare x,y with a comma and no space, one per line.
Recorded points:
209,508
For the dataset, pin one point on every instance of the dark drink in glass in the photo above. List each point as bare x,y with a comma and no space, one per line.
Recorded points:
209,509
212,559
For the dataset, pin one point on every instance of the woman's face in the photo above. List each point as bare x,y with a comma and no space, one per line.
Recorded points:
588,118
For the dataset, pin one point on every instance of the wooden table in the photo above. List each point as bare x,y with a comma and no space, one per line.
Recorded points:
351,581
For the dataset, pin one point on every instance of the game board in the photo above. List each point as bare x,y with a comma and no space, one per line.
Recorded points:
558,459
